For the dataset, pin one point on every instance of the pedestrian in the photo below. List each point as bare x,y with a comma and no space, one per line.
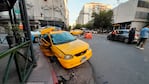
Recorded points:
131,35
144,35
113,34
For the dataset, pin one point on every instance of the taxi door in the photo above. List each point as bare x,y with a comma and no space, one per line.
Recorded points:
45,45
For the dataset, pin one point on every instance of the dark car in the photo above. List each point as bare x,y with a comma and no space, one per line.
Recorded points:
123,35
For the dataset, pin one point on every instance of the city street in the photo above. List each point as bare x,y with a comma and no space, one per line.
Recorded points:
118,63
39,41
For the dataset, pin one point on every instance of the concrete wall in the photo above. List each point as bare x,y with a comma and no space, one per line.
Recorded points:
125,12
46,10
137,25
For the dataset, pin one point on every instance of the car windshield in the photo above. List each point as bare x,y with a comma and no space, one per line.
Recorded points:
60,38
123,32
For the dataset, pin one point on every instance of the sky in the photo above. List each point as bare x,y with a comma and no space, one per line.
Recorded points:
74,7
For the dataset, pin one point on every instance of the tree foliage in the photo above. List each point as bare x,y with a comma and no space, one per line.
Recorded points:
103,19
89,25
78,26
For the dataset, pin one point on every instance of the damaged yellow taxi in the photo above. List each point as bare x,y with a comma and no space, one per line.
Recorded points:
69,51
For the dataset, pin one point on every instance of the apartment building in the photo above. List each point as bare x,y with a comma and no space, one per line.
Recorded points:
42,13
88,9
133,13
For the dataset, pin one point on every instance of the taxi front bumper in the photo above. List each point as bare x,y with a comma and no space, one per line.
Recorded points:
76,60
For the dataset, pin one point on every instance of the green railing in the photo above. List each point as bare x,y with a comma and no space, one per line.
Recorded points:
21,55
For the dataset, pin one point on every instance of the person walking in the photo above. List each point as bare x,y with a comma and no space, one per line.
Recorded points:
131,35
144,35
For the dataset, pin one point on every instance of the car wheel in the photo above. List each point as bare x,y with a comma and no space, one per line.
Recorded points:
108,38
36,39
126,40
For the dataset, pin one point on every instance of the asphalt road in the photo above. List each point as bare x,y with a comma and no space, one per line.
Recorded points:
118,63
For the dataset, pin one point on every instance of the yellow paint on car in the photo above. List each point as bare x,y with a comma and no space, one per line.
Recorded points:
69,54
76,32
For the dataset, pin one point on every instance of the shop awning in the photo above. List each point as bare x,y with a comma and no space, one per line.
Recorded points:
4,6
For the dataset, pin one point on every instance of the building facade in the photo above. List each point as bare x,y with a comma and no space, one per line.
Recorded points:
133,13
42,12
88,9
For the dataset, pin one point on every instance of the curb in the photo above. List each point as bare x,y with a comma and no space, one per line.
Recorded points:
94,75
54,77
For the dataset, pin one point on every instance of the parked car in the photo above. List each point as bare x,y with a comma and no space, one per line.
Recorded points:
76,32
123,35
68,50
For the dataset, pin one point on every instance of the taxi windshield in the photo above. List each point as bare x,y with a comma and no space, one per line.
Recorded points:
60,38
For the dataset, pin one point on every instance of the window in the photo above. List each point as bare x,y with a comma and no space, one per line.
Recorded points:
143,4
141,15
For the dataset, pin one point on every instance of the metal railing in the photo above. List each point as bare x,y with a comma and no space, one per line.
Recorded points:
21,55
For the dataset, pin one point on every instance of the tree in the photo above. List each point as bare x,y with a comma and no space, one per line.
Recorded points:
89,25
78,26
69,28
103,20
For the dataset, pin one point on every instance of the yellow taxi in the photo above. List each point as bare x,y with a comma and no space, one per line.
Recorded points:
69,51
76,32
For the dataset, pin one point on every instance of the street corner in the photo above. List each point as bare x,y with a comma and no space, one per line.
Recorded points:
82,74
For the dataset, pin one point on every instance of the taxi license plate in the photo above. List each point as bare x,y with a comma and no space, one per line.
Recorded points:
83,59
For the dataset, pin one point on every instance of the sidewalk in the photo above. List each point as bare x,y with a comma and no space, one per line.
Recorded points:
43,73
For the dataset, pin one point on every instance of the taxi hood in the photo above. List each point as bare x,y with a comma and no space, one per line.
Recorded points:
73,47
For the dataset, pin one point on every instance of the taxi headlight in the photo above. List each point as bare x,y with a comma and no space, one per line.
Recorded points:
67,57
